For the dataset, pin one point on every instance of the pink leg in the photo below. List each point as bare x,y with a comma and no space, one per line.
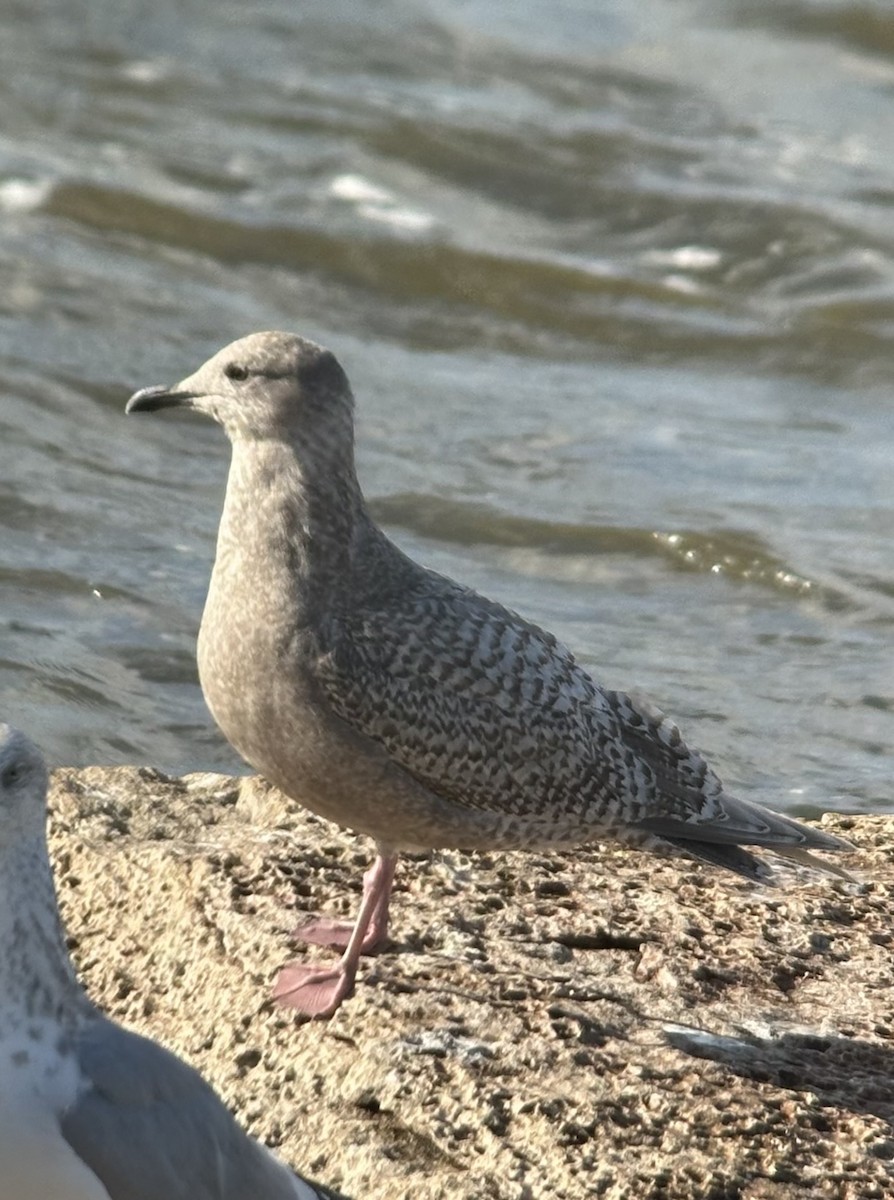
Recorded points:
323,931
318,991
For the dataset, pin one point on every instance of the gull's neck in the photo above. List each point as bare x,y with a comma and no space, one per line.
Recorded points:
37,979
291,520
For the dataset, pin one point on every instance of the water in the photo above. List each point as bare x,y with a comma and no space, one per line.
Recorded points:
614,284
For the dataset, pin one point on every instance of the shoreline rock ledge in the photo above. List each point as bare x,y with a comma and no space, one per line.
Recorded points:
542,1027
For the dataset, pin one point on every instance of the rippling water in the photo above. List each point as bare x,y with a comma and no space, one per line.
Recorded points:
615,287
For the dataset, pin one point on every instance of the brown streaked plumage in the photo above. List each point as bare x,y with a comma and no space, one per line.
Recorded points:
399,703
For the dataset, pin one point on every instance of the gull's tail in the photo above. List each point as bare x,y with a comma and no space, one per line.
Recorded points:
719,834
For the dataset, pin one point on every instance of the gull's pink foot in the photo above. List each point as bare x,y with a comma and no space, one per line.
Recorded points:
324,931
318,991
315,991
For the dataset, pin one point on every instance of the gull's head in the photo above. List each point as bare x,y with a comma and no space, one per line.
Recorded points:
266,385
23,787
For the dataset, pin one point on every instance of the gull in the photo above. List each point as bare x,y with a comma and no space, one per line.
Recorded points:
88,1109
395,701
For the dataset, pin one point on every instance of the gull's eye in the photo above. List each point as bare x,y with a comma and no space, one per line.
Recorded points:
11,775
236,371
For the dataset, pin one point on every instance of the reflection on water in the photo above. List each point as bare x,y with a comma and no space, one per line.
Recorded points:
615,292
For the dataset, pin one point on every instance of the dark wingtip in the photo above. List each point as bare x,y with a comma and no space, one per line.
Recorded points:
732,858
151,399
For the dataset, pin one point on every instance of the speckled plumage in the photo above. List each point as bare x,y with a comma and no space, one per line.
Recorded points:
496,715
393,700
88,1110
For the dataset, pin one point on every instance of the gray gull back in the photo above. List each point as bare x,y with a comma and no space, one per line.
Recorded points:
88,1110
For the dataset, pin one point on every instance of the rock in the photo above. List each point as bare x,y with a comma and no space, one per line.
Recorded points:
595,1024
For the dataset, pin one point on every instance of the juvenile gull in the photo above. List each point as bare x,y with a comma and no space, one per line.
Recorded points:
396,702
88,1110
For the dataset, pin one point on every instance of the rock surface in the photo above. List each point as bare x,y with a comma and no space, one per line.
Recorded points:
593,1024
